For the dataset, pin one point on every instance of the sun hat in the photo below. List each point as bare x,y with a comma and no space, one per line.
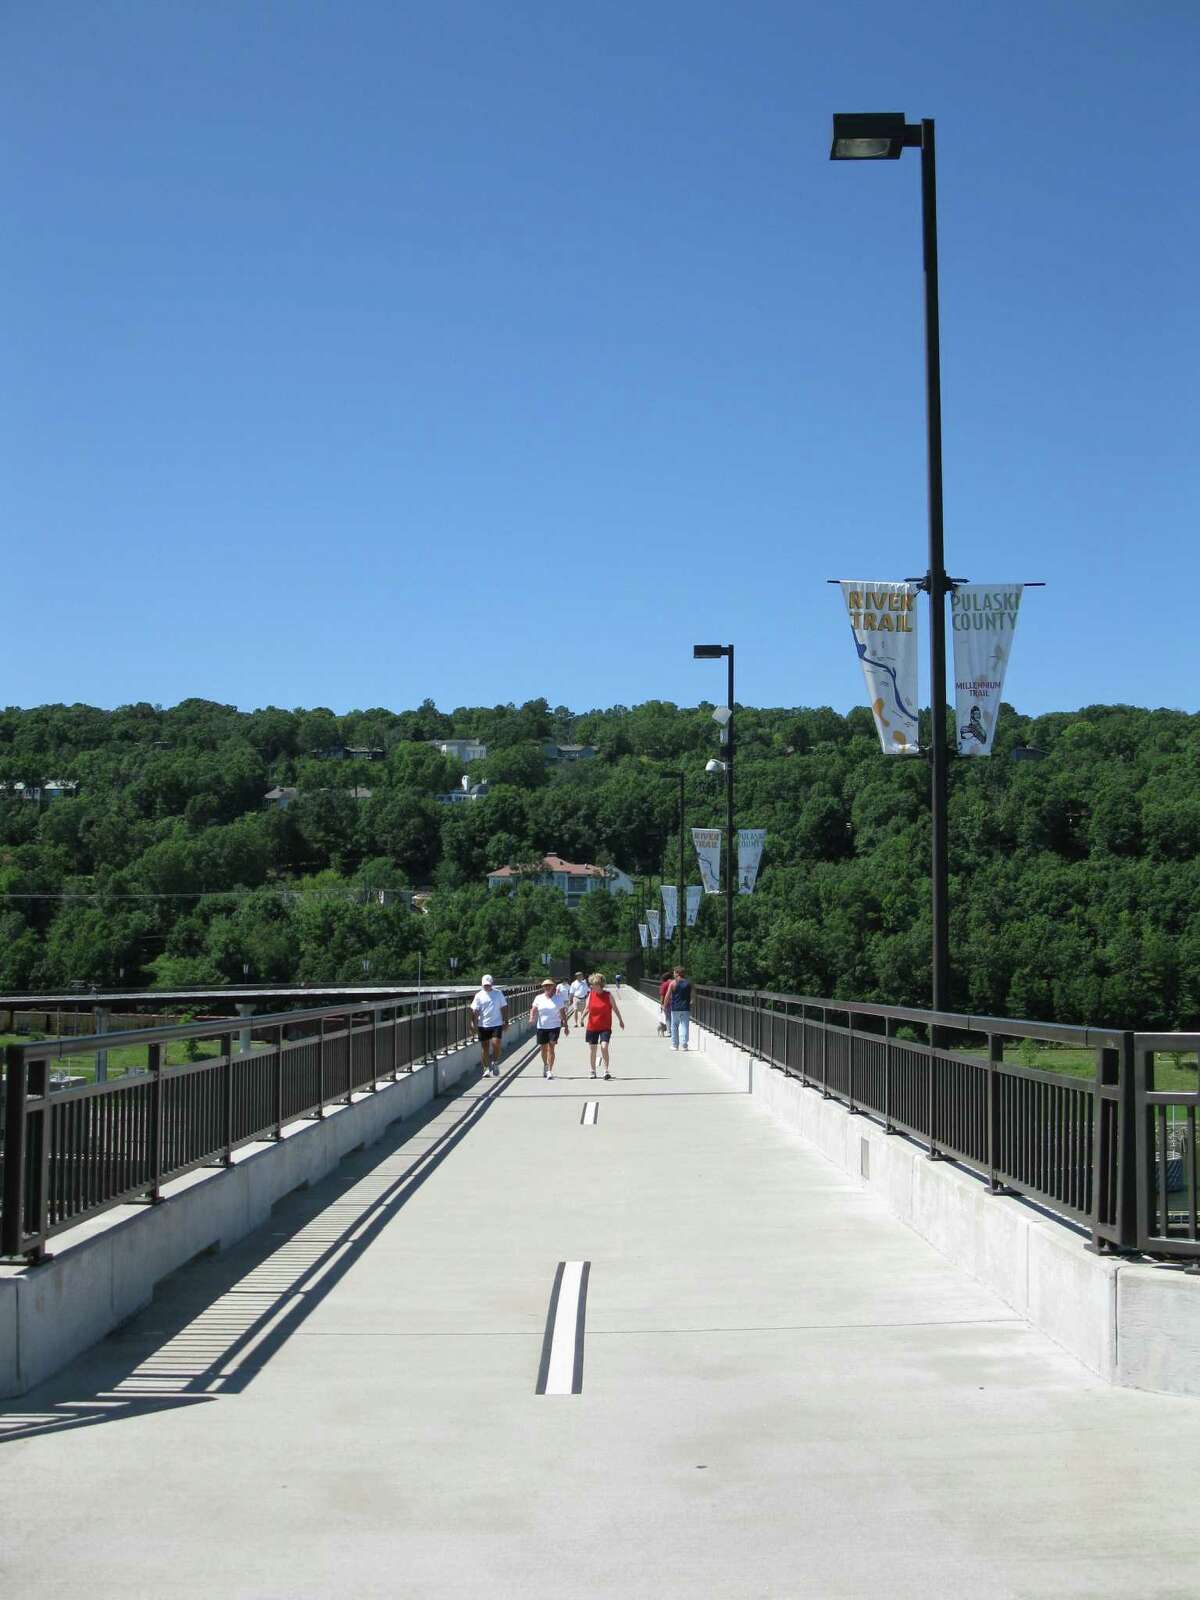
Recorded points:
549,981
487,978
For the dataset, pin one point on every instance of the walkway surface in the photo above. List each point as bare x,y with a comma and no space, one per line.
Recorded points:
784,1393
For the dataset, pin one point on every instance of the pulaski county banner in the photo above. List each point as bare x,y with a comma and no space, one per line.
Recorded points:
984,620
883,621
694,893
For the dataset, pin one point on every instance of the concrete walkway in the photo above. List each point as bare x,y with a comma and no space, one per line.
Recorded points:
784,1393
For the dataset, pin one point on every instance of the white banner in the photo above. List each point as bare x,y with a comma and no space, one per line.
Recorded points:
984,619
883,620
750,849
694,892
644,934
670,896
708,853
652,922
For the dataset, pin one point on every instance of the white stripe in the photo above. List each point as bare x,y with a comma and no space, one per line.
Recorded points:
560,1377
589,1113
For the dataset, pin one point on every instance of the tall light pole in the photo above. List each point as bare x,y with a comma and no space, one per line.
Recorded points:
881,136
681,892
712,652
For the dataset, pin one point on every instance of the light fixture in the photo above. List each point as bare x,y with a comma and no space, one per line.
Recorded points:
714,765
709,652
869,136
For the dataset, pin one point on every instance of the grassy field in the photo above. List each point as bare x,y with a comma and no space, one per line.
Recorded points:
1076,1063
126,1058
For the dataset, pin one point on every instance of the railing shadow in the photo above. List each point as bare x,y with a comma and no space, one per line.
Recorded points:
217,1322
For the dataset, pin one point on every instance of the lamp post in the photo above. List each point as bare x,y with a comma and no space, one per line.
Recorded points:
712,652
681,892
881,136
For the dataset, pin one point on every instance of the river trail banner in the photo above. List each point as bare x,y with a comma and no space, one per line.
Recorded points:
750,849
983,621
883,621
694,892
670,898
652,922
708,854
644,934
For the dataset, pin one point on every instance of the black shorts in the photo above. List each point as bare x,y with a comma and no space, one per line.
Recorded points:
548,1035
489,1033
598,1035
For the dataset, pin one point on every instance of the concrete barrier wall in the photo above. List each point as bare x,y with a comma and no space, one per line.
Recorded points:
104,1270
1131,1322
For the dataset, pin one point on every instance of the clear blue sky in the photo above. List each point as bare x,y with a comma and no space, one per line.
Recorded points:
356,351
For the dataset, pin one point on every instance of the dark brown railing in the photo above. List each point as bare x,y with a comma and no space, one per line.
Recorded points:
1112,1152
73,1152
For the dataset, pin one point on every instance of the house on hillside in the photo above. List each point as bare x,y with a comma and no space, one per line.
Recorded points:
568,752
572,879
467,791
278,799
461,749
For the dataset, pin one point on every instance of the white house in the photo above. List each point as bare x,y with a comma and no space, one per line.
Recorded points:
461,749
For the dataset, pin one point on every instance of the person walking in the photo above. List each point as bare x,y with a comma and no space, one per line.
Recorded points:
678,1008
664,1022
488,1016
579,995
562,996
549,1018
598,1031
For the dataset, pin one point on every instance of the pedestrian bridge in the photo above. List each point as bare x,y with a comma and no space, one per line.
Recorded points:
640,1337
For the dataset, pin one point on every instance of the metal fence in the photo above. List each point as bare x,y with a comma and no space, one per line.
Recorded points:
1111,1152
71,1153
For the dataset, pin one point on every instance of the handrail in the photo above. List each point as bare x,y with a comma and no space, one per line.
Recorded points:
1111,1151
74,1153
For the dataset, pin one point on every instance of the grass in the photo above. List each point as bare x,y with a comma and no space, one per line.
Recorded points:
1074,1062
123,1058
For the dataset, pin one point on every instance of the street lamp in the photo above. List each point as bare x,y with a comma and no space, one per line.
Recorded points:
724,715
881,136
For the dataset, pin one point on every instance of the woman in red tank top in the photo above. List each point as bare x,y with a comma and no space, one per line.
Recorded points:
598,1022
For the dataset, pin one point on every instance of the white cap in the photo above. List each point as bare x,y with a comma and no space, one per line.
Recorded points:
487,978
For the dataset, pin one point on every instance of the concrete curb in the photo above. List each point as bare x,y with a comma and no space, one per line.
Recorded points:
105,1270
1132,1323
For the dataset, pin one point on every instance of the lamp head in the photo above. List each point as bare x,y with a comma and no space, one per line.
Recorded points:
869,136
709,652
714,765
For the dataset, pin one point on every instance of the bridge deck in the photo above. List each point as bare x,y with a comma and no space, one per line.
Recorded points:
784,1391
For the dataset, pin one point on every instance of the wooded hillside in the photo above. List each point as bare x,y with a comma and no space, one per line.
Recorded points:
1074,877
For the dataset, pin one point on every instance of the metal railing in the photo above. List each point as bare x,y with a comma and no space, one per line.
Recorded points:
71,1153
1111,1152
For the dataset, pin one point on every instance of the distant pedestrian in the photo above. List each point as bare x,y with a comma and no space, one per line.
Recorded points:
664,1025
562,997
678,1007
488,1014
600,1008
579,995
548,1017
617,981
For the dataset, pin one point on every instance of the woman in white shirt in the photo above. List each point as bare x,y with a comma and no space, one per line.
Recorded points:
549,1018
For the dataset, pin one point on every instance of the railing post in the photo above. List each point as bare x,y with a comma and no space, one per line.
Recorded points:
154,1061
824,1053
15,1141
227,1052
995,1055
889,1033
932,1033
321,1076
850,1042
1136,1150
279,1081
374,1050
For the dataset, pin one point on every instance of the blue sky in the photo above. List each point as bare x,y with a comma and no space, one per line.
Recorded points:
357,351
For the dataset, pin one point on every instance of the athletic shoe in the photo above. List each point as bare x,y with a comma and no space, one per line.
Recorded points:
550,1075
608,1074
593,1072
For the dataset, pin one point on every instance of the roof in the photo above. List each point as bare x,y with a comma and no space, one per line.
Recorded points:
573,869
281,794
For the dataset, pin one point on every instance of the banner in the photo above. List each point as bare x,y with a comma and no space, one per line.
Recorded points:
984,619
652,922
643,934
694,892
708,853
670,896
883,622
750,849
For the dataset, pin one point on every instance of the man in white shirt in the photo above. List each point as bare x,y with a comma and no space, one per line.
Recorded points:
580,990
488,1014
562,997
